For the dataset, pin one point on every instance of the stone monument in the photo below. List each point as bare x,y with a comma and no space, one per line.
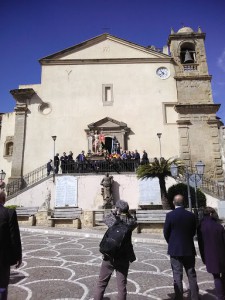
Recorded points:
106,191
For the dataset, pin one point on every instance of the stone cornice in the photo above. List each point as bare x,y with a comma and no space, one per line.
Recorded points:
197,108
193,77
185,36
22,95
105,61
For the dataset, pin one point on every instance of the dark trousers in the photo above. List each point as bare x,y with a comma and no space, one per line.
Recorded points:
188,263
4,281
219,281
106,271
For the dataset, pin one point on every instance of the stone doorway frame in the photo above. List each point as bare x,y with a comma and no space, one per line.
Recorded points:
110,128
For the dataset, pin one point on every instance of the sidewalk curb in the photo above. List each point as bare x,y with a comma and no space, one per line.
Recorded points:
88,235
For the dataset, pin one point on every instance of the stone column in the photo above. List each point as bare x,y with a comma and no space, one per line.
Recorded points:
22,96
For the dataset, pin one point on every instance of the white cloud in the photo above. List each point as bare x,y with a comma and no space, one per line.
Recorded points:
221,61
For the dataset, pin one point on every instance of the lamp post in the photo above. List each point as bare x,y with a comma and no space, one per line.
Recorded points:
195,177
2,177
54,139
159,136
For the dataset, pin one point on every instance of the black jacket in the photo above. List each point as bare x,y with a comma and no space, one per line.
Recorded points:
10,243
126,252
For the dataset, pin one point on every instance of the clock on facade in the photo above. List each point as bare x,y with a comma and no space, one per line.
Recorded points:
163,72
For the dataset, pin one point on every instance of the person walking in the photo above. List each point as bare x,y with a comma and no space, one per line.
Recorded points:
179,231
211,240
125,255
49,167
10,245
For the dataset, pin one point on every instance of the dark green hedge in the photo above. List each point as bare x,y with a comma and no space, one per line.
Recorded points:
181,188
11,206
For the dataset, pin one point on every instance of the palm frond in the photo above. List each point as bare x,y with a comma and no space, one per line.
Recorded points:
159,168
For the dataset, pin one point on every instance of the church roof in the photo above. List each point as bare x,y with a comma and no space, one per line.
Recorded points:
101,38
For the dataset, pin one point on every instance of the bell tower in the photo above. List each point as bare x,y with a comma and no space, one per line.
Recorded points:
197,123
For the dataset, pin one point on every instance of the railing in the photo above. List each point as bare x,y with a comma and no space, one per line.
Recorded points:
190,67
101,166
216,188
87,166
26,180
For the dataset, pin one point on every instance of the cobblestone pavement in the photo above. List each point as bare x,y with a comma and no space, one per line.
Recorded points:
64,266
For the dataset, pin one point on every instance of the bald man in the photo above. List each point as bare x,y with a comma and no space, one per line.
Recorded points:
179,231
10,245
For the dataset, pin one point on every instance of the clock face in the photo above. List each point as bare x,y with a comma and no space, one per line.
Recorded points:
163,72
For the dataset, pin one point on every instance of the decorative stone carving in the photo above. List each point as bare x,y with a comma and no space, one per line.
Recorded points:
107,183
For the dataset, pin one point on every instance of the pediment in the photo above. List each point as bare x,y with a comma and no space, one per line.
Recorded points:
105,46
107,123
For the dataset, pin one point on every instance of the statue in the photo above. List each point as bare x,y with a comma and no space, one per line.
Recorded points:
107,183
96,142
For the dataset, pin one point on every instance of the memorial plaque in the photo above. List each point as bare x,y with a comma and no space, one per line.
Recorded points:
66,191
149,192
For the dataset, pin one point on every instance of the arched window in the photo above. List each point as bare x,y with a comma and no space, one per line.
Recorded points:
187,53
9,149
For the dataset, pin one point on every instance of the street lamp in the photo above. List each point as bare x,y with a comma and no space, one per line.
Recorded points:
174,173
159,136
2,177
54,139
196,178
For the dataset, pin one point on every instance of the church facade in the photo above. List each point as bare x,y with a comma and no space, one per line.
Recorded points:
124,91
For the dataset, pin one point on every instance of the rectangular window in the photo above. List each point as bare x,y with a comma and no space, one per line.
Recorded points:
107,94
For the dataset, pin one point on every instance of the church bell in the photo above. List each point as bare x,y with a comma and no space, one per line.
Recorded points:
188,58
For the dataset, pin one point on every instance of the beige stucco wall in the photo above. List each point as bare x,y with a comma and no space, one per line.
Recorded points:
125,187
76,101
8,127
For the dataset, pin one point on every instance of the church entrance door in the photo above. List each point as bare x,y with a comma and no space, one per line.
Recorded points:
108,144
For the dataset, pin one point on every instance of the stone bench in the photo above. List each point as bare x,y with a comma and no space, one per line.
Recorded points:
153,220
26,215
65,217
99,217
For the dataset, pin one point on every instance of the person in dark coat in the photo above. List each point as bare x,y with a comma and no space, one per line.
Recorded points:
49,167
179,231
56,163
144,159
10,245
64,160
211,240
125,256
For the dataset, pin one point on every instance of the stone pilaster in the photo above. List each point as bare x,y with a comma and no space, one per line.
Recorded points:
183,128
22,96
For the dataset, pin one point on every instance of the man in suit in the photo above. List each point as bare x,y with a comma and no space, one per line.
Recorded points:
179,231
10,245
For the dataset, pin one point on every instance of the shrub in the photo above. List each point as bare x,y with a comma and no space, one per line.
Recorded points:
11,206
181,188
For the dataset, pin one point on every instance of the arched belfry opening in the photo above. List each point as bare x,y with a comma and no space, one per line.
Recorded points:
107,134
187,53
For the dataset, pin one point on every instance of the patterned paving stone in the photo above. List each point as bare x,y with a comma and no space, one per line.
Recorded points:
66,267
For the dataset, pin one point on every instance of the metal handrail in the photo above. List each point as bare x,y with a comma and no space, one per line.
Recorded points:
88,167
27,180
216,188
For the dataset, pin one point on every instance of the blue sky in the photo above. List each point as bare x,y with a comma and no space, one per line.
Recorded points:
32,29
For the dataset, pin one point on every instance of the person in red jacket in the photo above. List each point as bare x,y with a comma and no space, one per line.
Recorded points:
10,245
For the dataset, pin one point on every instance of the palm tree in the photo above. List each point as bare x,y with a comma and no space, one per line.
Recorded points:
159,168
